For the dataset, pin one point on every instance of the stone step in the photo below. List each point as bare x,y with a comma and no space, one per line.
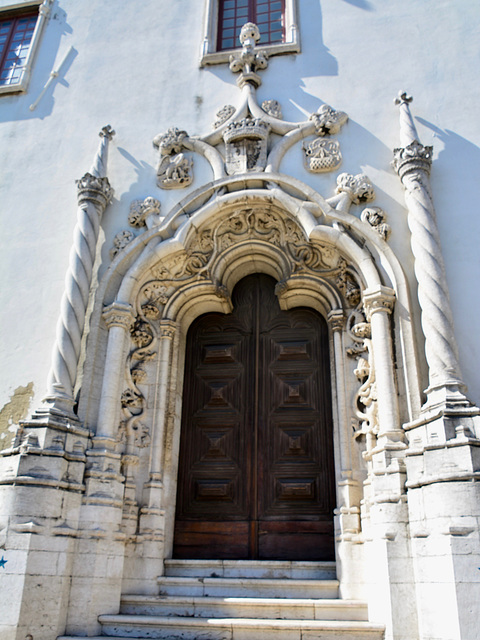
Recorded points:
247,587
251,569
267,608
123,626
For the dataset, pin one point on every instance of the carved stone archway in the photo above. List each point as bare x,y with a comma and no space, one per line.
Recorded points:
170,283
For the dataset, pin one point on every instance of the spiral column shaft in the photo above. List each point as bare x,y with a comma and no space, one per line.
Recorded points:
94,193
412,163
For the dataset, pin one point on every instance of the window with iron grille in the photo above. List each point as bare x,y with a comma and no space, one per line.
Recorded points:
268,15
16,34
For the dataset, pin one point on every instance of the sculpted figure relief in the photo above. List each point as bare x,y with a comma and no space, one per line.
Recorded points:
375,217
174,169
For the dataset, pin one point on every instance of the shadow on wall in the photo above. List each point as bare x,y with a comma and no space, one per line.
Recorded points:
52,53
360,4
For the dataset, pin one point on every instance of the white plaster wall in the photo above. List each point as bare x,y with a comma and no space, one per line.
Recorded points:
135,66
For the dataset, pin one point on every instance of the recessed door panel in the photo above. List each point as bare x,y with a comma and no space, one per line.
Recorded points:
256,473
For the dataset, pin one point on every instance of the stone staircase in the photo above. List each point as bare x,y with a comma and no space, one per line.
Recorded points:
242,600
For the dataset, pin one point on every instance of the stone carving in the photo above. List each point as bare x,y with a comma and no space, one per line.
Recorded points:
375,217
249,60
144,212
412,162
99,166
91,188
131,430
351,190
120,241
358,187
348,285
273,108
365,404
223,115
413,157
247,225
328,121
246,145
155,295
118,315
322,155
174,169
94,193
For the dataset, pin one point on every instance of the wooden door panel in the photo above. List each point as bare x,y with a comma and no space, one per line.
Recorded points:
296,540
256,459
207,540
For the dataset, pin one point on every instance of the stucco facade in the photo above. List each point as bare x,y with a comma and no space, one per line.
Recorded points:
298,165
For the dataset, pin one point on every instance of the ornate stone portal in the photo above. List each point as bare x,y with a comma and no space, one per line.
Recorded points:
113,465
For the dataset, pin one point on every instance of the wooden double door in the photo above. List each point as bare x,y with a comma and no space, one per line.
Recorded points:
256,474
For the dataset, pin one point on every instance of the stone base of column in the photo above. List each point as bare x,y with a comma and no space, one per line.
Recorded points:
388,558
38,524
389,570
443,471
450,399
99,555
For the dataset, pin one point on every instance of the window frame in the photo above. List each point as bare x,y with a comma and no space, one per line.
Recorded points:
210,55
19,10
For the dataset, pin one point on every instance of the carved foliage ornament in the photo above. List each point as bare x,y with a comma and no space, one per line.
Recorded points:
359,188
273,108
413,157
223,115
365,401
142,213
328,121
247,225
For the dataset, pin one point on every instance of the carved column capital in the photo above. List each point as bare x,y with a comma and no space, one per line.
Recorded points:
378,299
414,157
167,329
95,190
119,314
336,319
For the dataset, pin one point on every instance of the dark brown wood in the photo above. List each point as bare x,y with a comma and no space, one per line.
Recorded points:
256,477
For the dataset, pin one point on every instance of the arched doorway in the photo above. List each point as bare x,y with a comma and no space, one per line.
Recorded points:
256,473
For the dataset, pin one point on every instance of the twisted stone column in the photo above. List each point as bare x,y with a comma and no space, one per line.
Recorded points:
94,193
412,162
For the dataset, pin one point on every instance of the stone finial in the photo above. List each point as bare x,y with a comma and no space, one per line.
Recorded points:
249,60
408,131
99,166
